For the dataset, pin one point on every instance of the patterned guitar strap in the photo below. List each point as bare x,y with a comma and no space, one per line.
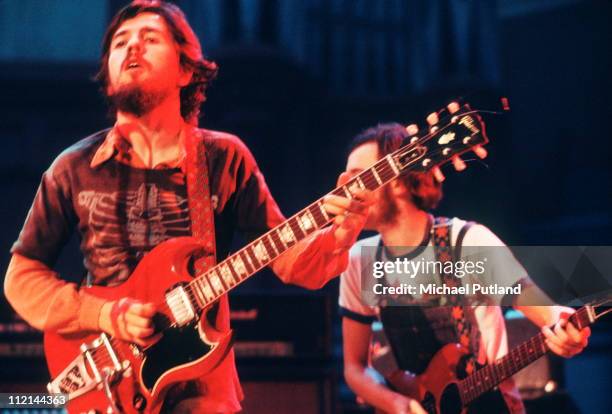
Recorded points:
445,253
198,194
201,213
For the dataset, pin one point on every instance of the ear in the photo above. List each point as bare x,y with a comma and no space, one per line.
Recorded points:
184,78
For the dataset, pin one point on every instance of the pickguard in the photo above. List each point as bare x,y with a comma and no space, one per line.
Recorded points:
176,348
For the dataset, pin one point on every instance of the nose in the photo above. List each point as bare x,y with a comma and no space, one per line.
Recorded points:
134,45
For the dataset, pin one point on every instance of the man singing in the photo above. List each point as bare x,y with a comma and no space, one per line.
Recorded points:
124,190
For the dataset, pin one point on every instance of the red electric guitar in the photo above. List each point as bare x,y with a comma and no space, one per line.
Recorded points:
106,374
439,389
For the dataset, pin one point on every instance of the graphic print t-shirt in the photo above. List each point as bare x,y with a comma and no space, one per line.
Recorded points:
122,212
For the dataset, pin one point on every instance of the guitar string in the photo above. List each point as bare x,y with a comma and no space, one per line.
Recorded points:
165,308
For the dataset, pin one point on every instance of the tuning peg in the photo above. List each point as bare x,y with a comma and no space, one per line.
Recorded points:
453,107
412,129
458,163
438,174
480,151
432,120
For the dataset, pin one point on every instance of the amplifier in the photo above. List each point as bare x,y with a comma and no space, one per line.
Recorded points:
283,326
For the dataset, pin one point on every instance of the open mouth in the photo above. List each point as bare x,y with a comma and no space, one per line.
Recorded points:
133,65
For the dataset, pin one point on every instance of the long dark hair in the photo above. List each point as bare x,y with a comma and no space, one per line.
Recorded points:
191,57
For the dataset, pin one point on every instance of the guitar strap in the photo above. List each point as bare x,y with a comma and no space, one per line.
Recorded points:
201,214
198,195
445,252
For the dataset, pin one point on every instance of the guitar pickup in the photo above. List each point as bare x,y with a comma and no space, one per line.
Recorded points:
181,306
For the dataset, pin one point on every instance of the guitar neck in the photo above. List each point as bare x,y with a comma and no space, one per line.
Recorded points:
518,358
210,285
463,130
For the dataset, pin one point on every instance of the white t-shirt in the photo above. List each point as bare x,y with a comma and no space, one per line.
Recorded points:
489,318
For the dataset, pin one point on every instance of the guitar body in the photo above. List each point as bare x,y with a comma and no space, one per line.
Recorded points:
180,354
436,388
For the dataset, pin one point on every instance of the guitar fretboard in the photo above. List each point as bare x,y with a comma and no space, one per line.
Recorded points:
463,130
491,375
209,286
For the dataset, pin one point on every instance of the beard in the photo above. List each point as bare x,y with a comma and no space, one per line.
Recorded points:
135,100
388,208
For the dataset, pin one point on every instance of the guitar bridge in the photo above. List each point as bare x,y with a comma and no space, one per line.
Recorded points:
97,363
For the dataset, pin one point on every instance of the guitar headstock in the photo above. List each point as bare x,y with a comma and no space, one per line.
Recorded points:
599,308
454,134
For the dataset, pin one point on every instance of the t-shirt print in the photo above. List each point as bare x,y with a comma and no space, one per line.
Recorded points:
126,224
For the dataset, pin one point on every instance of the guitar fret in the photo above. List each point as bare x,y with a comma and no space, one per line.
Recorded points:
198,294
375,175
392,164
270,247
306,221
253,260
388,174
369,180
281,237
296,228
287,235
347,193
360,182
239,267
216,280
262,251
206,288
249,267
278,243
216,285
321,210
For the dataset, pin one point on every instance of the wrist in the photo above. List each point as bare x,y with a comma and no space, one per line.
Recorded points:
104,320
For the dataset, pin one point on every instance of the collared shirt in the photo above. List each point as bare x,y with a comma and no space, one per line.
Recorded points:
117,146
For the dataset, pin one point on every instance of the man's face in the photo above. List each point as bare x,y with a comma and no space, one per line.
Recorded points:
384,210
144,57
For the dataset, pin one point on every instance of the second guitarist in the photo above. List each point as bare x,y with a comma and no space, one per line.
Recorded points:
401,218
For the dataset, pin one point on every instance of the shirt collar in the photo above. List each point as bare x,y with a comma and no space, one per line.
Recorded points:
119,147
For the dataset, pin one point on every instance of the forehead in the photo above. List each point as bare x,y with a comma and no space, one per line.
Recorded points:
362,157
147,20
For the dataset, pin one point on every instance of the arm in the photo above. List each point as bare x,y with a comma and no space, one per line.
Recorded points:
561,336
48,303
312,262
356,336
45,301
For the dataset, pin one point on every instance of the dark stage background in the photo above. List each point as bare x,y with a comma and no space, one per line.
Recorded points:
299,78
